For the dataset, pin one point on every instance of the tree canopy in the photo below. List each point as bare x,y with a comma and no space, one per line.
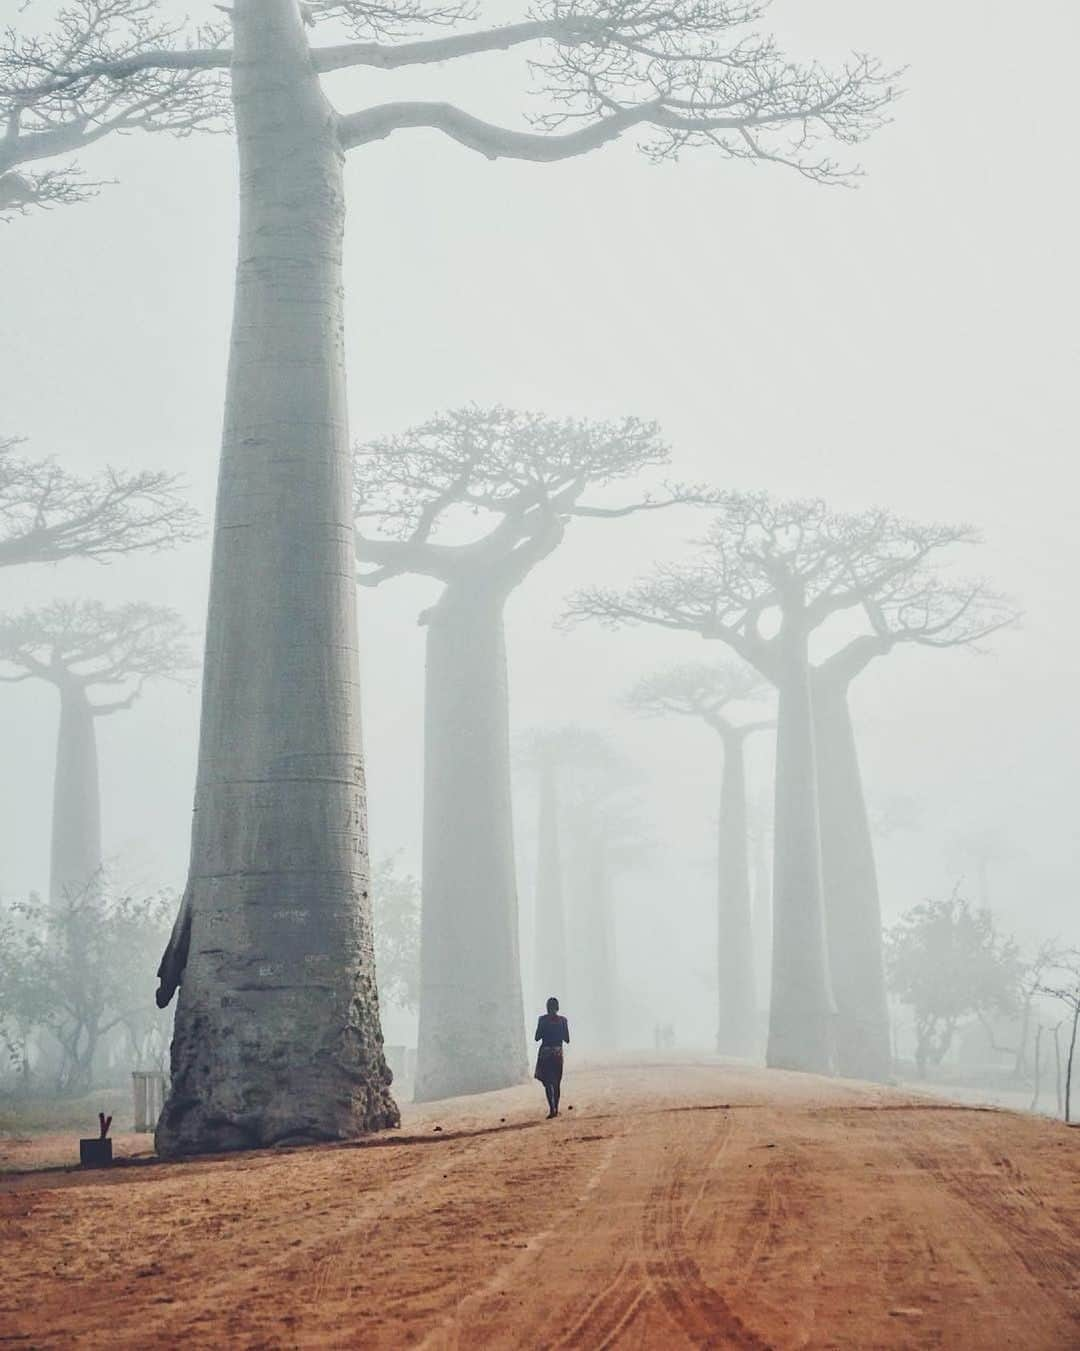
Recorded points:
679,73
762,558
524,475
701,690
87,644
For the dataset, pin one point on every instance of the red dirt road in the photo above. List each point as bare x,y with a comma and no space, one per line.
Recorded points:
677,1205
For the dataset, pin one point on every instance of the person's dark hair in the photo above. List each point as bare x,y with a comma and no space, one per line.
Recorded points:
553,1005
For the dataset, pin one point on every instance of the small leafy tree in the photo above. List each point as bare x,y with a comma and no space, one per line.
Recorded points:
946,960
1062,983
76,967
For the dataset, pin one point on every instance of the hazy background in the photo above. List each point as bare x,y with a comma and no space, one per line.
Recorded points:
911,344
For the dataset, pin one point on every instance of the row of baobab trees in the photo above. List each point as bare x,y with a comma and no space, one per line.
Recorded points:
476,499
277,1029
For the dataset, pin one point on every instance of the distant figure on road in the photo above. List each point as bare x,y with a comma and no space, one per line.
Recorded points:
552,1031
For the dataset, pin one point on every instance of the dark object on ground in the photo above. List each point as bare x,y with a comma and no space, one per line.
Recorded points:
95,1152
437,1128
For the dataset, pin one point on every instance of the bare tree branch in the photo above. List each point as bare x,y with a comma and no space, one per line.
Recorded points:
48,514
104,66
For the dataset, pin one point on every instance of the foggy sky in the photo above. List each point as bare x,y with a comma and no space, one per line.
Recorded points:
912,344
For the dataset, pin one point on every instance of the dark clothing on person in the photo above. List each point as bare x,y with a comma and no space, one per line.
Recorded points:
552,1031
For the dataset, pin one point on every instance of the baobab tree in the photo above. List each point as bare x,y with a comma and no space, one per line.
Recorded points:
760,818
524,476
606,836
277,1031
768,576
708,693
553,754
98,660
48,514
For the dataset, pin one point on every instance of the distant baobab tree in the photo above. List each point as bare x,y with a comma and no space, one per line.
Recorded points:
766,578
277,1030
711,694
83,647
760,818
983,851
552,754
606,836
48,514
524,477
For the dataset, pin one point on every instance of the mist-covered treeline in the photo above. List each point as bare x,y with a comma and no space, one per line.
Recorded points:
686,845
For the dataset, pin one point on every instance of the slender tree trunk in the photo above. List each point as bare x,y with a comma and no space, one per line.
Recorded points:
592,957
1057,1069
736,1028
549,947
76,821
762,921
471,1036
277,1032
606,976
852,905
801,1012
1037,1071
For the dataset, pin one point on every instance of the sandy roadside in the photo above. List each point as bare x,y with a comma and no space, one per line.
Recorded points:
676,1205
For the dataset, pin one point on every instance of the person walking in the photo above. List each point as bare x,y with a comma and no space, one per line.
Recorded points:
552,1031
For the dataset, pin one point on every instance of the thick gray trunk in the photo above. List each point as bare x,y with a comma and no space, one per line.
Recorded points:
736,1029
472,1035
277,1031
76,822
852,905
801,1010
550,938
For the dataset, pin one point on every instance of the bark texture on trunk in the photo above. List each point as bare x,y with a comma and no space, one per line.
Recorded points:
852,904
76,820
549,945
472,1032
736,1029
801,1011
277,1032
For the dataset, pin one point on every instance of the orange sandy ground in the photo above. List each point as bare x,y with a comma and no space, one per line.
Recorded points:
677,1205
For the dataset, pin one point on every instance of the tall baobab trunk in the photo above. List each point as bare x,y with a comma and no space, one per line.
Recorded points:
599,955
277,1032
471,1035
801,1010
550,940
852,905
736,1031
762,913
76,821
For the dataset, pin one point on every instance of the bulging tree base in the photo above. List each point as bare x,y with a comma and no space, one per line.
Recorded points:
807,1047
862,1050
450,1066
232,1092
